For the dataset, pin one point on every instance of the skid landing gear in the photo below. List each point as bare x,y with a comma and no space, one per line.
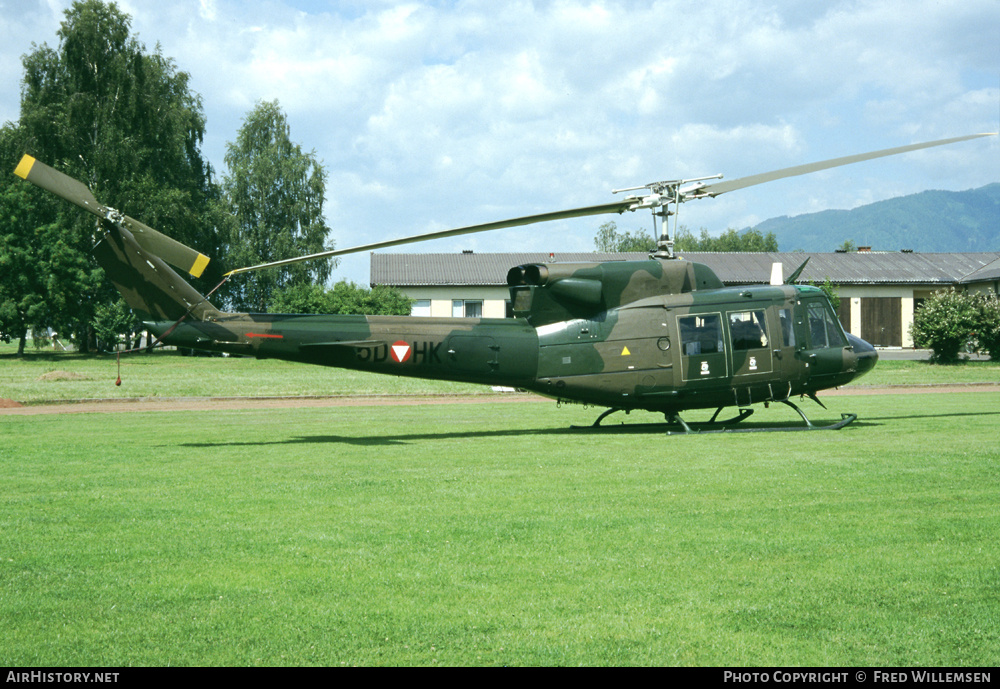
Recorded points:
605,414
810,426
710,426
707,428
673,420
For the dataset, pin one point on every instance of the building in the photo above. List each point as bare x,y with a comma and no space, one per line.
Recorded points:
878,290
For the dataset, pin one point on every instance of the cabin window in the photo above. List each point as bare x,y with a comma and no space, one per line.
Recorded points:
747,330
701,334
823,331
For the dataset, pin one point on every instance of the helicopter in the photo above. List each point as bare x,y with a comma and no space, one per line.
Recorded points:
663,335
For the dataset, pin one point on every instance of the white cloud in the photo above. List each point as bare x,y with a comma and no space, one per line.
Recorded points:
207,10
23,22
436,114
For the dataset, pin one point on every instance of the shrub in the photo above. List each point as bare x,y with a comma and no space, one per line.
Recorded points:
945,323
988,326
114,323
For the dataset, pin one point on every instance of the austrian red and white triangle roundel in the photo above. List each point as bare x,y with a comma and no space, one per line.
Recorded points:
400,351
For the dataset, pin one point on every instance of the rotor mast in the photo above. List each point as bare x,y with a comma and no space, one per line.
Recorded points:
659,199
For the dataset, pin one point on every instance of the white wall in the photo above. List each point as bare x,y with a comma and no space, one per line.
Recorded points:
494,298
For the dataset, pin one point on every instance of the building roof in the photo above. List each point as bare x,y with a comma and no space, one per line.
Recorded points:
468,268
987,273
867,268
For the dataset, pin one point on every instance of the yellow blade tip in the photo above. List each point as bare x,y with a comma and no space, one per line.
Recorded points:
199,265
24,167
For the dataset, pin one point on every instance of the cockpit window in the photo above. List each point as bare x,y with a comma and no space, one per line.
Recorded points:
824,331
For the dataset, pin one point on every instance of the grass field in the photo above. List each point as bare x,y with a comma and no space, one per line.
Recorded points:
48,376
490,534
40,377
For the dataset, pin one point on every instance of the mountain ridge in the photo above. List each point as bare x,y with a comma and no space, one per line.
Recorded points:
928,221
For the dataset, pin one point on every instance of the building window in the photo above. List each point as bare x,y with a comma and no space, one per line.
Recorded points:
467,308
421,307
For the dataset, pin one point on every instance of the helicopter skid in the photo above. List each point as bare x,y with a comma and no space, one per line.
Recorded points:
713,426
743,414
845,419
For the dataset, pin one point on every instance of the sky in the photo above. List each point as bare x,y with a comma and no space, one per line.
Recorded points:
434,115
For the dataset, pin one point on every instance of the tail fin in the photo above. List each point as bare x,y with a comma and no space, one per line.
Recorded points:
146,282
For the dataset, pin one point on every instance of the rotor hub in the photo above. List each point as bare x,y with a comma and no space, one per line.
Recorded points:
662,195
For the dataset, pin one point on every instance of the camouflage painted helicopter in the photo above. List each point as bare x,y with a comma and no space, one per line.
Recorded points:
663,335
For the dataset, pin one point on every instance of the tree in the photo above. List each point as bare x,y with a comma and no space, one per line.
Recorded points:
609,240
729,241
21,292
124,121
276,193
343,298
945,323
830,290
114,322
988,324
42,276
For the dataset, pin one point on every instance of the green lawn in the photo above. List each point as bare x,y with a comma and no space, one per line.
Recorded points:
49,376
490,534
926,373
40,377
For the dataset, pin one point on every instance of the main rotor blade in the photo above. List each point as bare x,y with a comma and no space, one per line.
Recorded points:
629,203
742,182
76,192
617,207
